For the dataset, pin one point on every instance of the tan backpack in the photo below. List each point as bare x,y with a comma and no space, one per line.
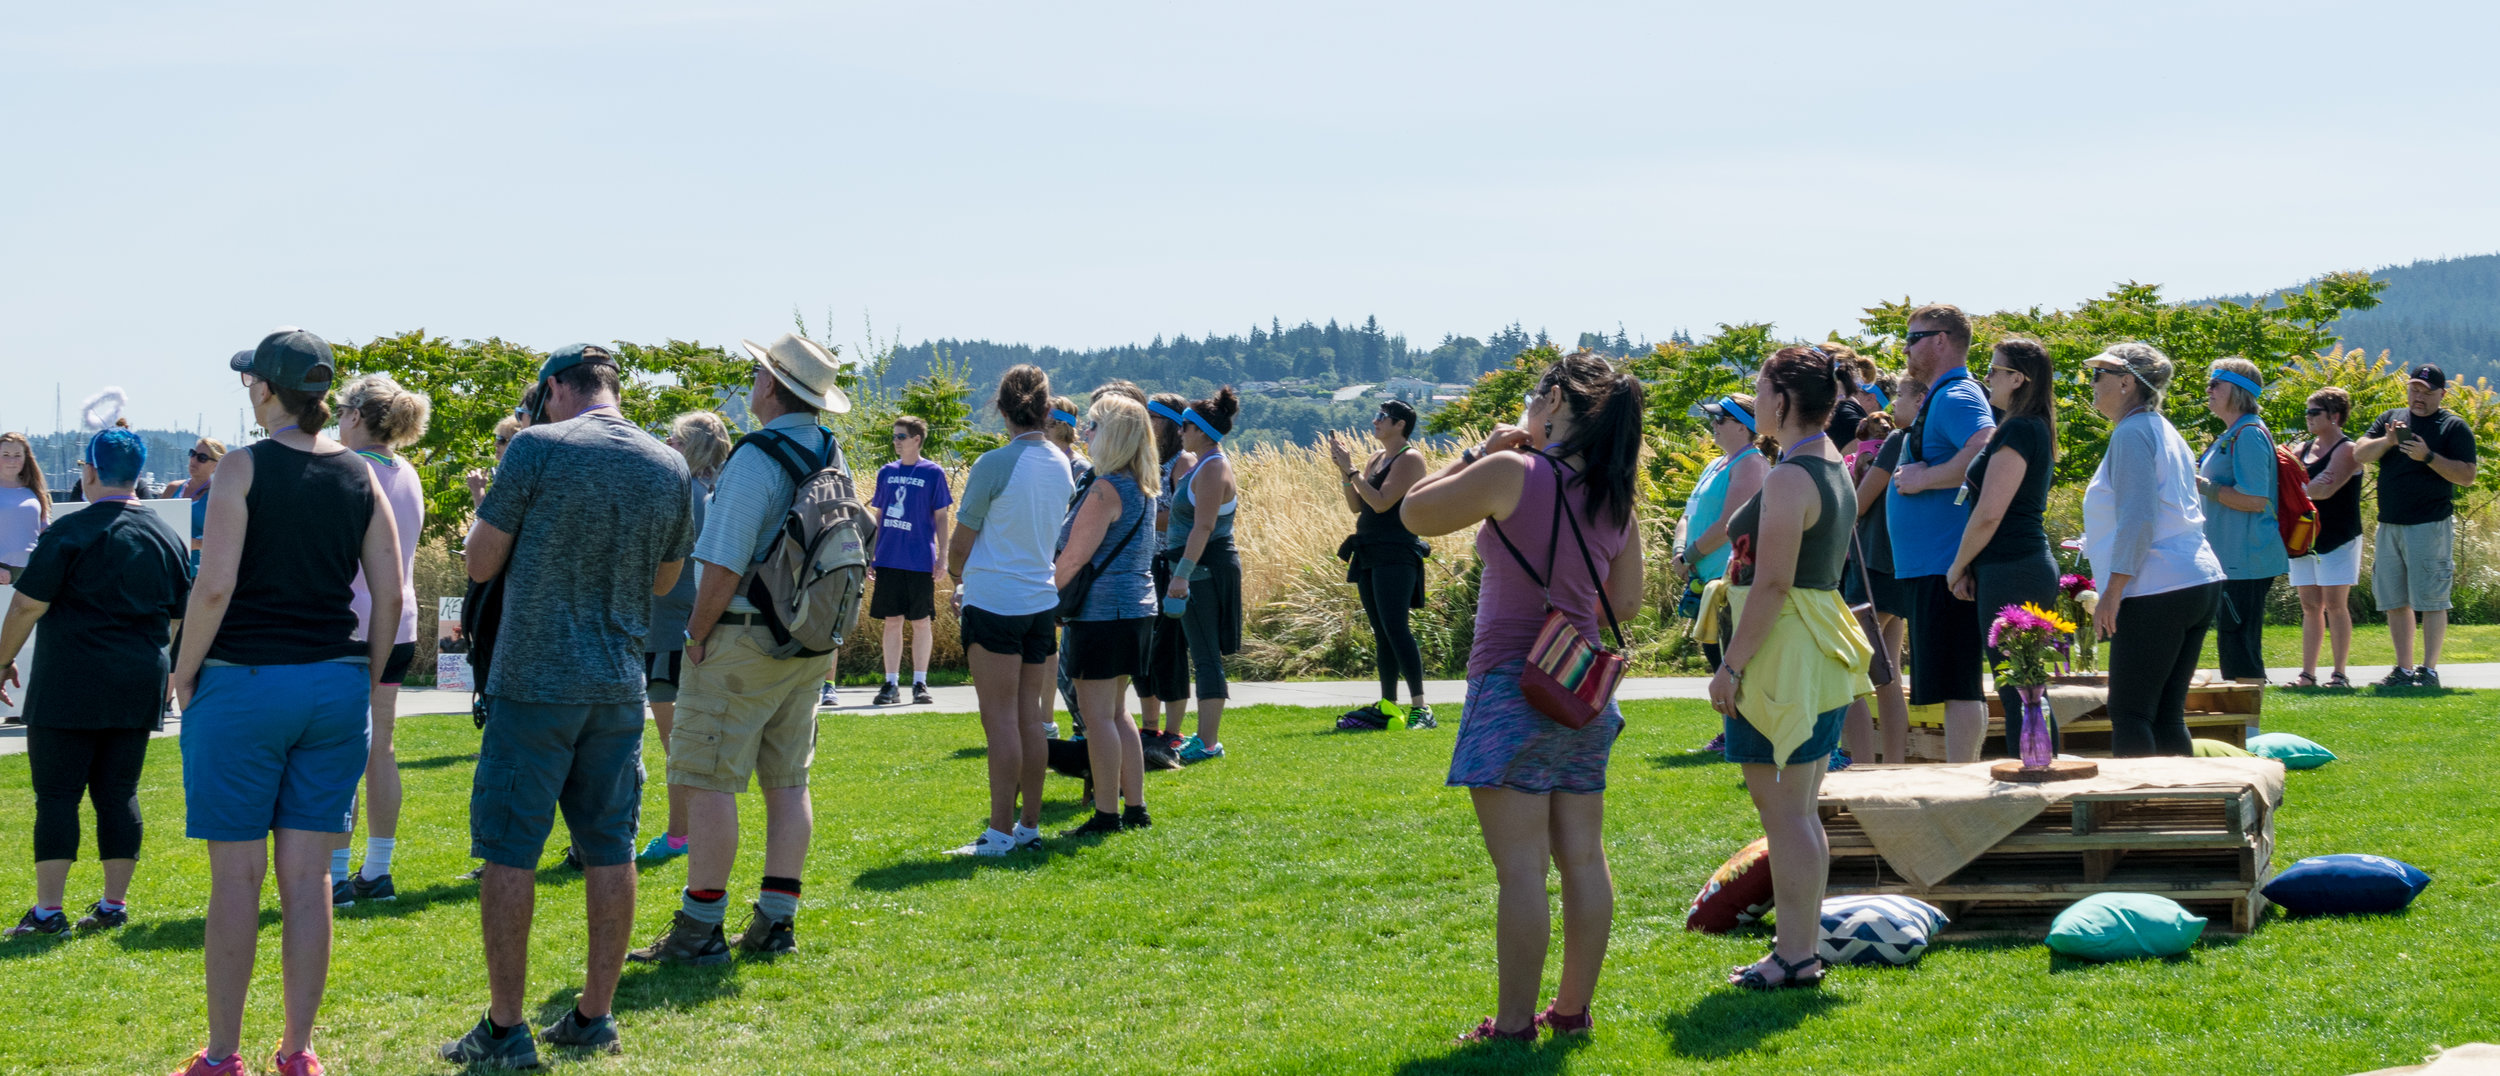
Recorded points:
809,584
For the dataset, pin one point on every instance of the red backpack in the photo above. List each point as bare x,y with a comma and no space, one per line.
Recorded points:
2295,515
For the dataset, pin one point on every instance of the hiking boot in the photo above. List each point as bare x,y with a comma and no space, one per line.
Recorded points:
360,887
515,1050
2425,676
889,695
304,1063
920,695
688,941
1368,719
2396,677
1195,750
35,922
199,1066
1419,716
1135,817
598,1033
99,917
660,851
766,936
1102,822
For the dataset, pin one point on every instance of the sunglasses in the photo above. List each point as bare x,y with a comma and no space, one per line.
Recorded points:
902,436
502,442
198,456
2315,412
1920,334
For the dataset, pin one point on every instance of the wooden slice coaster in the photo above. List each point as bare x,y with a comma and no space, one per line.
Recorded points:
2064,769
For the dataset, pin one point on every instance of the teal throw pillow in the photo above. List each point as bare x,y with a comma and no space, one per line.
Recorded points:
2123,926
2294,752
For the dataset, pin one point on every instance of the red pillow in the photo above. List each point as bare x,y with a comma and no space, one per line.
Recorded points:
1738,892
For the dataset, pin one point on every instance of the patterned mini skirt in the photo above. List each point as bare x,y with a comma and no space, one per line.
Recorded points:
1503,742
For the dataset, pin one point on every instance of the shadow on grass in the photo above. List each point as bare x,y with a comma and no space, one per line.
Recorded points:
26,945
654,986
411,901
1732,1021
943,868
191,933
1683,759
970,752
437,762
1549,1055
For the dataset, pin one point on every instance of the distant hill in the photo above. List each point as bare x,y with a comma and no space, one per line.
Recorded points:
2445,311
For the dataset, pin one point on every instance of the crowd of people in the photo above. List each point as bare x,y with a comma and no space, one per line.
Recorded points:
1093,554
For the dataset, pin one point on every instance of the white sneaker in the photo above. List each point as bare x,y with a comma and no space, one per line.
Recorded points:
1050,729
990,843
1025,837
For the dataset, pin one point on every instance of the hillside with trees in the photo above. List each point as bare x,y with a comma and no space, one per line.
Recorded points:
2444,310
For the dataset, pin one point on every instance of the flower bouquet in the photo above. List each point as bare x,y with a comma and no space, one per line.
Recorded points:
2076,601
2033,641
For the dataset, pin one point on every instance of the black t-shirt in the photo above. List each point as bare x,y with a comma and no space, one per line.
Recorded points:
1874,534
2021,533
1842,428
2408,490
115,575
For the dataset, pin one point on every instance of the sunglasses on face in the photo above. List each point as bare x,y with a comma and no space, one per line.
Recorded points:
1916,335
2315,412
502,442
901,436
198,456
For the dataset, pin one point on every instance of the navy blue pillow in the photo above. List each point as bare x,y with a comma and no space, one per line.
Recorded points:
2346,884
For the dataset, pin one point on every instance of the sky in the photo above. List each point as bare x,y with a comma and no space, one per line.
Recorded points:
179,178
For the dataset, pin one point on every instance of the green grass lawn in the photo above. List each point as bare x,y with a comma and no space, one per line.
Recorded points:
1315,903
2372,650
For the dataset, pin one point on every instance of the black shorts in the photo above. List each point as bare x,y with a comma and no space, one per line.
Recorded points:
1033,636
395,671
904,593
1109,649
660,673
1947,648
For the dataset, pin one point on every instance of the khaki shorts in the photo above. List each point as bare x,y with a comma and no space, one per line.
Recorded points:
2414,566
744,712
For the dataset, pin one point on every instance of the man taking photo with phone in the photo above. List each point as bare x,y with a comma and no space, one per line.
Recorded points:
2424,453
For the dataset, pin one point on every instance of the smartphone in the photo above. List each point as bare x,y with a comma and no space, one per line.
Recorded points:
2404,435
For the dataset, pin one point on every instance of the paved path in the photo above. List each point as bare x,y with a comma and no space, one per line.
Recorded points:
1325,694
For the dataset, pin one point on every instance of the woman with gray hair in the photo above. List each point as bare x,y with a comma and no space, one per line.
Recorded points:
2158,577
2235,478
703,439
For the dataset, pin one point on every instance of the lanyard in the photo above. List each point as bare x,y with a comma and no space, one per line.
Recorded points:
1799,447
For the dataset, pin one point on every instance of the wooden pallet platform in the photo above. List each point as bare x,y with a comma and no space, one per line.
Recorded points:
2207,847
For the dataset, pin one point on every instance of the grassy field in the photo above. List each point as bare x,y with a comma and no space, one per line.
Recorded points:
2372,652
1315,903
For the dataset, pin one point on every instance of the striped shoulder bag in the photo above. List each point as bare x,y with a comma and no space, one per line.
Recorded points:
1568,678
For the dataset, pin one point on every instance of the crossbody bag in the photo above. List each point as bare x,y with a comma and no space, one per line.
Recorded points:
1568,677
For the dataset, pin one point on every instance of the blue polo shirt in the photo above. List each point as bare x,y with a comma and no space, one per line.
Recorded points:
1927,527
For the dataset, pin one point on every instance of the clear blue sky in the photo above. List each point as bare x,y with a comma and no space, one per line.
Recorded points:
180,177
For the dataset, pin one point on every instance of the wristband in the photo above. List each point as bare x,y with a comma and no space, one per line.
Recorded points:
1184,568
1468,457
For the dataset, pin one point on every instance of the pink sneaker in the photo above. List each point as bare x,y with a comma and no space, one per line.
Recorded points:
199,1066
302,1064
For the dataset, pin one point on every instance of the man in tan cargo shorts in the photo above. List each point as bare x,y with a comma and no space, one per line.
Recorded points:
741,712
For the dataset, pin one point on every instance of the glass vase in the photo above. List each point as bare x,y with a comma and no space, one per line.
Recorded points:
2038,751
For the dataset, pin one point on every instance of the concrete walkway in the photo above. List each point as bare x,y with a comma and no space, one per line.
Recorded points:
1323,694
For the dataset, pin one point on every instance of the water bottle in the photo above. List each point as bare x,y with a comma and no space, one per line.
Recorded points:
1173,607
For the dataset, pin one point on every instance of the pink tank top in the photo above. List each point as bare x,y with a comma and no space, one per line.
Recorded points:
398,484
1510,609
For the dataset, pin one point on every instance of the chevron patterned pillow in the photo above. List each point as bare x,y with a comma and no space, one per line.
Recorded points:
1877,930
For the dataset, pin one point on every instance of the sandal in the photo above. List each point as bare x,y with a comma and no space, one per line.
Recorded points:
1793,975
1486,1032
2305,680
1565,1024
2339,682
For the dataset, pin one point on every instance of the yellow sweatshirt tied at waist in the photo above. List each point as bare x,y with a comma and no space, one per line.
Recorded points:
1814,661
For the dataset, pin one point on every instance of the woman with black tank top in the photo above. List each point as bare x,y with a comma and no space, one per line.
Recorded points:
2326,576
1386,564
1795,657
2004,557
275,688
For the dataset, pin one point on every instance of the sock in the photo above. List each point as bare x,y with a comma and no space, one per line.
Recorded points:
47,912
920,678
1023,830
706,905
115,905
893,680
676,843
779,897
580,1020
378,856
501,1030
338,866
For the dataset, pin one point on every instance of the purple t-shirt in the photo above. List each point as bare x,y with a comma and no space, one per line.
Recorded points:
907,501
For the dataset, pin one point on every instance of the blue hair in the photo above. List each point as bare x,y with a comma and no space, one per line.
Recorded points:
117,456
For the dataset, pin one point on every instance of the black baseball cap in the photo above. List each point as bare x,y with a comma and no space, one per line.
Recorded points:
289,359
558,361
2430,374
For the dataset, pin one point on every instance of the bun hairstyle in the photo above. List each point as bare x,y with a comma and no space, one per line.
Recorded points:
31,473
1167,432
395,416
1219,409
1605,406
2038,396
1024,396
309,408
1807,382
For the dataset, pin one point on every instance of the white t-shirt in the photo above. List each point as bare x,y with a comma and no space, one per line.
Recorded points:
1015,497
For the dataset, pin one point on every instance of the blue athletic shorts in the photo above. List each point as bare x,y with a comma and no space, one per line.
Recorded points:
537,757
275,747
1744,744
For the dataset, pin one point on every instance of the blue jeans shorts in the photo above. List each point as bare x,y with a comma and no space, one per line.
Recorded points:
268,747
537,757
1746,745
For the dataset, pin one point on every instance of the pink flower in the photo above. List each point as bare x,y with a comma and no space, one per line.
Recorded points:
2074,584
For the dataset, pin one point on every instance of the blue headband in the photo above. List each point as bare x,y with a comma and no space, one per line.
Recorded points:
1063,416
2254,389
1192,417
1883,401
1166,412
1737,411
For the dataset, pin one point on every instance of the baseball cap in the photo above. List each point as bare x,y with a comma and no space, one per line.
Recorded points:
289,359
2429,374
2146,362
558,361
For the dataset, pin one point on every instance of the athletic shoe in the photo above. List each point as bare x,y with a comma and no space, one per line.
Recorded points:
1419,716
475,873
361,888
572,858
36,922
1368,719
1198,751
304,1063
1172,740
920,695
1716,746
687,940
515,1050
1135,818
2396,677
889,695
827,699
341,894
2425,676
199,1066
990,843
99,917
765,935
599,1033
1050,729
1102,822
658,851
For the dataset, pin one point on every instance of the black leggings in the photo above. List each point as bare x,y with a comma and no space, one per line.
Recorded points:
2240,628
2151,661
1385,590
1994,585
99,764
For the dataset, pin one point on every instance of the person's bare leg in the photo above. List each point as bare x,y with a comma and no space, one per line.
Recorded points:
1857,731
894,646
923,641
1893,700
1104,751
1175,714
1516,836
2400,632
2338,603
378,808
1132,747
789,824
664,719
2312,628
1149,714
1965,729
1040,683
1211,721
304,903
507,898
711,837
52,880
1577,830
2434,636
1800,854
608,900
117,874
232,934
998,682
